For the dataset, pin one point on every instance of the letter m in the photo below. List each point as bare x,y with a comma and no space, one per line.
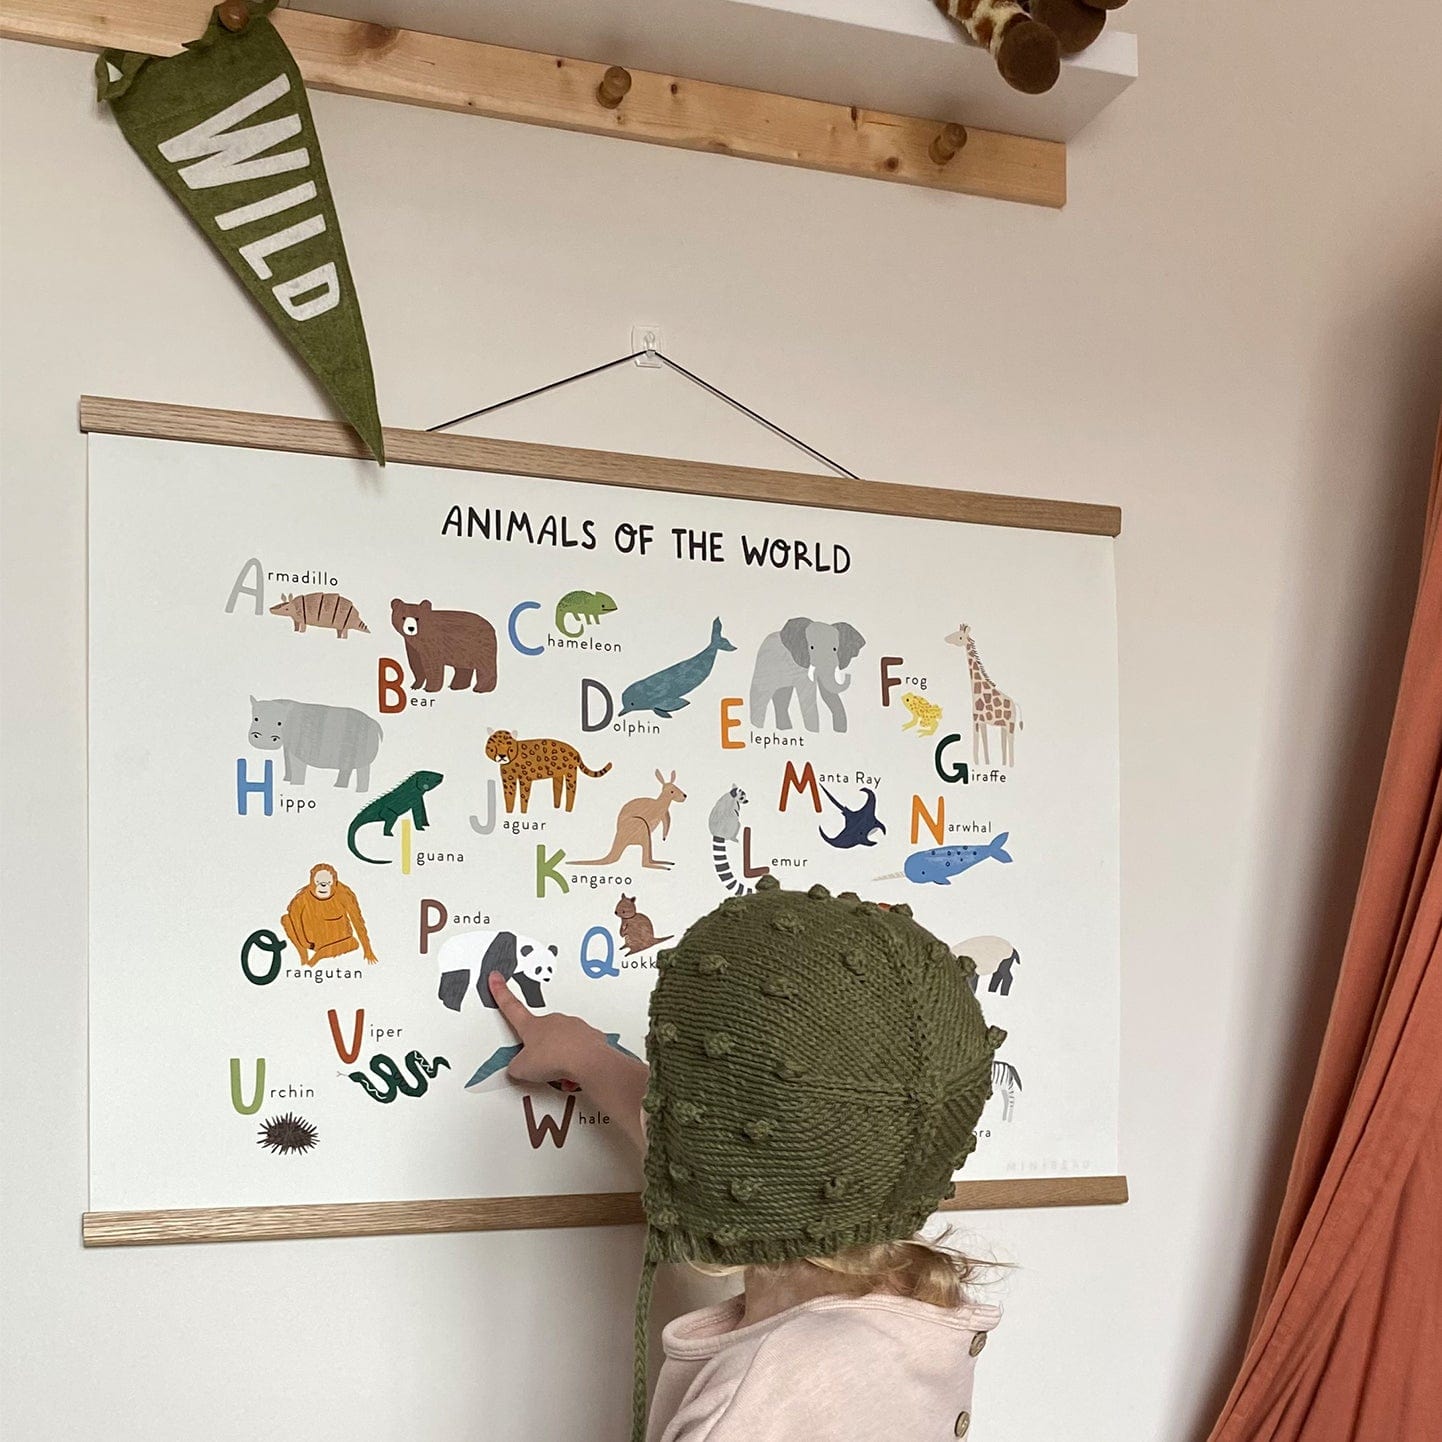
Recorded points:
223,156
802,784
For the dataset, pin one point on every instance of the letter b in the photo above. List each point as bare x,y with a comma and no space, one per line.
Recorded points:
390,696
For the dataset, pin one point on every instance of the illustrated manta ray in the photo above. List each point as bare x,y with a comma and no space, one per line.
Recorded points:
860,824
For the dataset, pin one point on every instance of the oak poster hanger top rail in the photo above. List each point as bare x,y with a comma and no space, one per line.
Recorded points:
110,416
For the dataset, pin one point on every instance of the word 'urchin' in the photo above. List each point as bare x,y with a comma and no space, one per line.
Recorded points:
289,1133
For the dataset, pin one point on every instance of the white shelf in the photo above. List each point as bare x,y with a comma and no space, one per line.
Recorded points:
902,56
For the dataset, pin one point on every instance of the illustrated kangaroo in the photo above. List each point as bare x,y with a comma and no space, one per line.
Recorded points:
636,823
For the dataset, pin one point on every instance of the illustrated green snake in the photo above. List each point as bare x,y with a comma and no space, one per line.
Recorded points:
421,1069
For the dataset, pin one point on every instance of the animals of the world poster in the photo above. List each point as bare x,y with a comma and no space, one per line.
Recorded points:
359,739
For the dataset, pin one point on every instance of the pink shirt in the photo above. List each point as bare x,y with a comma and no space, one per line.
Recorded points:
835,1369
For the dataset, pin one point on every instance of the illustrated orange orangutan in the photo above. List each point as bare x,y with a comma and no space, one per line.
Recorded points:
324,919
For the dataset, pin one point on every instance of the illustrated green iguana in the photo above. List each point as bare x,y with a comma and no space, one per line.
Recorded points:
409,796
586,606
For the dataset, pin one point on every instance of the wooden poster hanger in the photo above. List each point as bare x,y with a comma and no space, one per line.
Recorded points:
329,438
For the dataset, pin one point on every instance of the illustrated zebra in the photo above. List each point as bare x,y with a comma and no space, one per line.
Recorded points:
1007,1080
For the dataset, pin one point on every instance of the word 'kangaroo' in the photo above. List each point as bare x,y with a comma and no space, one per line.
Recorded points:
636,823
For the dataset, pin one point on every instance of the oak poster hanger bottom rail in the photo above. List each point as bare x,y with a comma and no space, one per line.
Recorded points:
495,1214
109,416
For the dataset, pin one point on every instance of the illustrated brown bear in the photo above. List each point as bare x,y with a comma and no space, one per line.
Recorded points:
437,639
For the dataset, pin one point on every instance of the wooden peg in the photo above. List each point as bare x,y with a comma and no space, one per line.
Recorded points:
234,15
948,140
613,87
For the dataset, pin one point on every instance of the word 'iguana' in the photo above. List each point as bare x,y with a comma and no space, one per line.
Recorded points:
409,796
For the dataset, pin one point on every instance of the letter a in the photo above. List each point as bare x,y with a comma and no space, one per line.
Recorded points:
255,592
235,1100
355,1044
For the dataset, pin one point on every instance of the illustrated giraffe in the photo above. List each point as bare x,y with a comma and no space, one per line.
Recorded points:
990,705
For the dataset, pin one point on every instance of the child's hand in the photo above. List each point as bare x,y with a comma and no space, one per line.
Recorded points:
554,1047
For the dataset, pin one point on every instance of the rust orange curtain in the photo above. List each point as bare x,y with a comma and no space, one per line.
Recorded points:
1347,1342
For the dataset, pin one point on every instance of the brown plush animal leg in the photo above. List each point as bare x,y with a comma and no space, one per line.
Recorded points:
1027,54
1075,23
1029,57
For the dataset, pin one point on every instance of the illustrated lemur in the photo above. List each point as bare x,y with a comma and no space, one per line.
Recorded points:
725,825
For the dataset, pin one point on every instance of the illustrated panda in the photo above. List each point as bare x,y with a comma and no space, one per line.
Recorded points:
472,956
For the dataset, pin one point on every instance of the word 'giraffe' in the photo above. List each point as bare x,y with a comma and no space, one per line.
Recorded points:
990,705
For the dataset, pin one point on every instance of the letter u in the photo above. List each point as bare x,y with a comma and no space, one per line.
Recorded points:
235,1100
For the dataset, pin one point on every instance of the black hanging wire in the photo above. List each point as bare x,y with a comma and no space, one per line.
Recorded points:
680,370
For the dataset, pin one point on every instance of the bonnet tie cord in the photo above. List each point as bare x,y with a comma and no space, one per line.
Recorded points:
642,1339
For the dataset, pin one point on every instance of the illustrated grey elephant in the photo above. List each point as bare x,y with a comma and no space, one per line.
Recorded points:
804,656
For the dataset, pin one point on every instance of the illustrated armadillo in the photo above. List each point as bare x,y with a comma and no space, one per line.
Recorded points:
321,608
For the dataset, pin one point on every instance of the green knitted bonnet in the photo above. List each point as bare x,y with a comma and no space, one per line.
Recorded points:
818,1066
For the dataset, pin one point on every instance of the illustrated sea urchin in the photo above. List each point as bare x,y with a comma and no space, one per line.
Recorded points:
289,1133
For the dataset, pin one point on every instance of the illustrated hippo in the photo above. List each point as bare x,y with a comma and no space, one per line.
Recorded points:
311,735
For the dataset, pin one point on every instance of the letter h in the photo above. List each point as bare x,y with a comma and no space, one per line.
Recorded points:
244,786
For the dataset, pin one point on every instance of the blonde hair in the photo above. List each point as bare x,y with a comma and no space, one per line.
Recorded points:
922,1270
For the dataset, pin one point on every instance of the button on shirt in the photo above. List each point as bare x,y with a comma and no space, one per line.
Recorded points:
834,1369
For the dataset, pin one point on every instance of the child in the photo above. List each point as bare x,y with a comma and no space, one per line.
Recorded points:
817,1068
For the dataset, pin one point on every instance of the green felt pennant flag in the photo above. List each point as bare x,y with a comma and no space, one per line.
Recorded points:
226,127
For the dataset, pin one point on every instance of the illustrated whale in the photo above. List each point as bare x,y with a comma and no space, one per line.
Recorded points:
665,691
941,863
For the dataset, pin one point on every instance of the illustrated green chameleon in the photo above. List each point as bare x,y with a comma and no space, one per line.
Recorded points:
587,606
409,796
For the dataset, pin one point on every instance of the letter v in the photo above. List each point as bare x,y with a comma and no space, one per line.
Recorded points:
355,1044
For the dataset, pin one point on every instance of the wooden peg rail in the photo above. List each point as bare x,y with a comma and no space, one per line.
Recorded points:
437,71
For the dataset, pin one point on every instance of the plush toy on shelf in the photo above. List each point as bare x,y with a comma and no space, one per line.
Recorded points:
1027,38
1075,23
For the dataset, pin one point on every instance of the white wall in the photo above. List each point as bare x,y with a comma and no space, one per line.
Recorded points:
1232,331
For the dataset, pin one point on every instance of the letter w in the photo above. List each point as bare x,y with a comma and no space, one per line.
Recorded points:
548,1125
223,156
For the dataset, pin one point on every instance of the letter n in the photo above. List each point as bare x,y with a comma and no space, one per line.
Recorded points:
235,1100
390,694
936,825
538,1131
244,786
345,1055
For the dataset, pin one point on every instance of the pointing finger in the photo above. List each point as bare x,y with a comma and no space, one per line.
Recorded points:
517,1015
